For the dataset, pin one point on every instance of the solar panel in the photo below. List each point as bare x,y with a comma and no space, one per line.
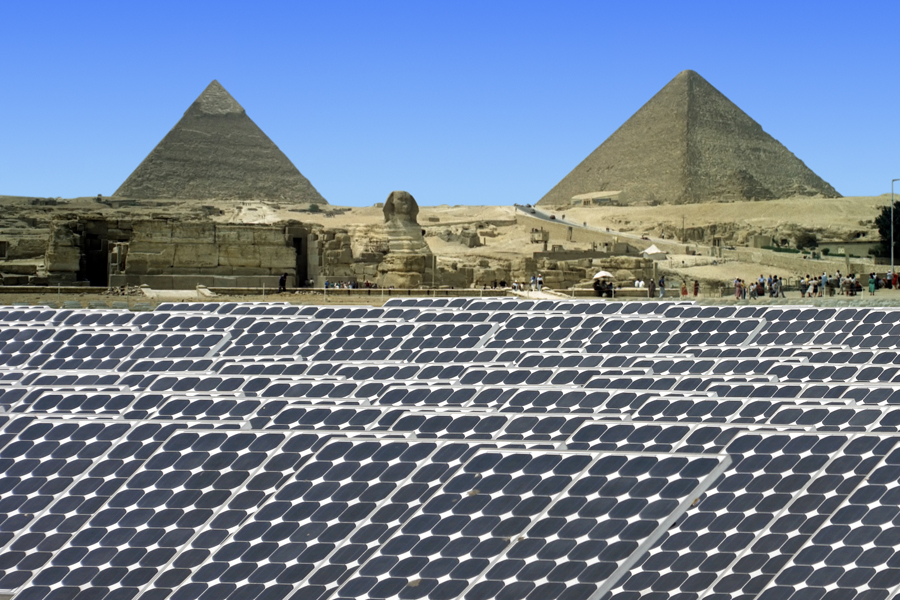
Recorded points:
449,448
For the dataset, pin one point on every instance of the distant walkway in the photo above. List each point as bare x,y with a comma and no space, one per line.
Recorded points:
542,295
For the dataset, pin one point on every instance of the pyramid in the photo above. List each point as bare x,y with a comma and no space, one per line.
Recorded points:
689,144
216,152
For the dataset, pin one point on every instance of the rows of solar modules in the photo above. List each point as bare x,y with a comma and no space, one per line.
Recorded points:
436,448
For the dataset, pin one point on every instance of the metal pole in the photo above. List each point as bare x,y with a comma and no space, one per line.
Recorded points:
892,226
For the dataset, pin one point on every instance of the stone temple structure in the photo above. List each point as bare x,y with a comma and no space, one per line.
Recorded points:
216,152
688,144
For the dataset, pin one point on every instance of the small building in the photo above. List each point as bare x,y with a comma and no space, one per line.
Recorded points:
595,198
849,249
654,253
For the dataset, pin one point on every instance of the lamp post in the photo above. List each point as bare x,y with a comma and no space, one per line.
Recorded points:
892,226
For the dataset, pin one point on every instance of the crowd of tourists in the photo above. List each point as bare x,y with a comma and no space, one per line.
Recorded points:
820,286
537,284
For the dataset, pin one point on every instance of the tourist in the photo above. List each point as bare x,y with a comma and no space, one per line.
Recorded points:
737,288
872,284
282,283
683,290
696,288
651,289
662,286
533,283
540,282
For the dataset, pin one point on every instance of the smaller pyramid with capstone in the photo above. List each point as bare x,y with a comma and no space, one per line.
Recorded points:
689,143
216,152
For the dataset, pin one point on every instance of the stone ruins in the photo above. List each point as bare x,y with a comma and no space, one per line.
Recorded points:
216,203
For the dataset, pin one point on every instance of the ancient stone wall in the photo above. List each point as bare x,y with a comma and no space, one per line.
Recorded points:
176,255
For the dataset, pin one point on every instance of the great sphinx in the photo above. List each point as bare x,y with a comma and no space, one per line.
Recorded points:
409,256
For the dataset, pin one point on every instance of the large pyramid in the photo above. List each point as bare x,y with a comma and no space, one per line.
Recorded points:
217,152
690,143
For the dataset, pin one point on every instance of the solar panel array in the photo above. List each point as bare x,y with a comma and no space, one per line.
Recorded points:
440,449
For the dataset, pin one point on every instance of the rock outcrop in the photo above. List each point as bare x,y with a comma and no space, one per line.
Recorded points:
689,143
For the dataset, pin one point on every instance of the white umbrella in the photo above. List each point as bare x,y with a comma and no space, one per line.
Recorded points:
603,274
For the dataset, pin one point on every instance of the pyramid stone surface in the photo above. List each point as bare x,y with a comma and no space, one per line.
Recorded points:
217,152
688,144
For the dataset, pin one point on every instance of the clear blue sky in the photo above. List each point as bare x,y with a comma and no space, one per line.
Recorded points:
458,102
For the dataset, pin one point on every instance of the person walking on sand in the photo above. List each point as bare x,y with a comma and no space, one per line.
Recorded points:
871,284
282,283
696,288
683,291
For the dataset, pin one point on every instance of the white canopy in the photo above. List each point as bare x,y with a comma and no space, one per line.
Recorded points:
602,274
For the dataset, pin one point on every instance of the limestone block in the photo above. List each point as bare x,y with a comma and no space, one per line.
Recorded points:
336,257
234,234
122,224
143,259
158,282
151,231
413,263
194,233
61,278
248,271
219,271
277,257
28,247
18,268
196,255
189,282
268,236
245,255
11,279
400,280
191,271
